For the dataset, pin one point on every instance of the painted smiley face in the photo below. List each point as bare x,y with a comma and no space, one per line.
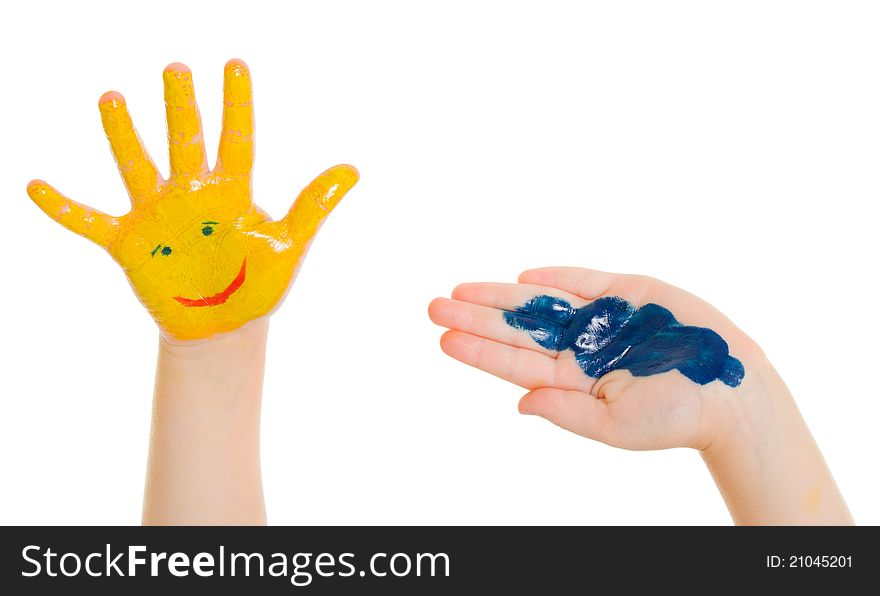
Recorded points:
214,299
204,265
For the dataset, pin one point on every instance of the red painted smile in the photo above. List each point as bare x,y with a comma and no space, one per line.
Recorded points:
217,298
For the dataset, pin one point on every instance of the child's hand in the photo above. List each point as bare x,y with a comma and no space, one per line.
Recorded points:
672,374
201,256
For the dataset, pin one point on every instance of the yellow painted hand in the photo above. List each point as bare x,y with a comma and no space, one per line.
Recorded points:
201,256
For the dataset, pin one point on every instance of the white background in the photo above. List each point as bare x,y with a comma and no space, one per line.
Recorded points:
731,148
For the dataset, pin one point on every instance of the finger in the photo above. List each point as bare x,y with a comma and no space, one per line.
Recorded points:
236,153
522,367
318,199
138,171
510,296
489,323
98,227
541,312
186,144
586,283
575,411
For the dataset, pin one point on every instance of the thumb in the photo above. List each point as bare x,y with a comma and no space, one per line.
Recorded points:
318,199
575,411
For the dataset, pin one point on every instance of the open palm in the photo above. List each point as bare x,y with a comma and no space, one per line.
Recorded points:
650,410
201,256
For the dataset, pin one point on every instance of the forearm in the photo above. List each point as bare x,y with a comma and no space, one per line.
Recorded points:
204,457
767,465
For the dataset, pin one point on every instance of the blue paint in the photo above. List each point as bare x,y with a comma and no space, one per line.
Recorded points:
610,334
166,251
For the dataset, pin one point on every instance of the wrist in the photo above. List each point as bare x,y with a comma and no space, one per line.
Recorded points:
748,416
216,382
222,370
764,460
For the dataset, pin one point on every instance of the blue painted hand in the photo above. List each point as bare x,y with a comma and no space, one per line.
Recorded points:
603,355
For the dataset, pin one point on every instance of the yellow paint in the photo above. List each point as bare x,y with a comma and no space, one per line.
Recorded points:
184,268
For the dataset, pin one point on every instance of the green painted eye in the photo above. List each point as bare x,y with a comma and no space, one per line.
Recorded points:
209,227
164,251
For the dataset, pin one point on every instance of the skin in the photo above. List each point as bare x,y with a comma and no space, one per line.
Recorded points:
210,266
752,437
204,458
